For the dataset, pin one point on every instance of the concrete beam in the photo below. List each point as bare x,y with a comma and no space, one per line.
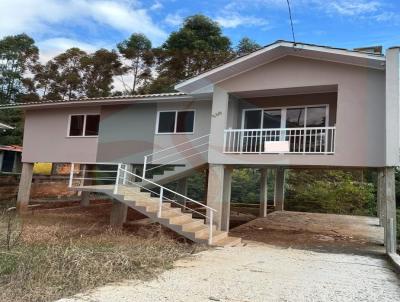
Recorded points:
389,204
279,192
24,189
263,192
226,199
215,192
119,211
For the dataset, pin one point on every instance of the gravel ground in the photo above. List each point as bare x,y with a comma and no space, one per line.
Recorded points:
261,272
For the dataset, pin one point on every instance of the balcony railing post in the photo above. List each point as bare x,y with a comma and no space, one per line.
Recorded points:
144,167
117,179
71,175
160,202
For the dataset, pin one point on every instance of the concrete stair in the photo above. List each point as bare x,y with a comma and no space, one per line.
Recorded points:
173,217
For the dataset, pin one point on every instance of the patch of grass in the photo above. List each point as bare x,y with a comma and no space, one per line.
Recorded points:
58,259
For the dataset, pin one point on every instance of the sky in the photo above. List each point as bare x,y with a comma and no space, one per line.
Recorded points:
57,25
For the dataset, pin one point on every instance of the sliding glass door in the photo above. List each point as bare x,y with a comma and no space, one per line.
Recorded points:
260,125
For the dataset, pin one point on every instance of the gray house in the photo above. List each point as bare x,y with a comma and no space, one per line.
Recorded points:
283,106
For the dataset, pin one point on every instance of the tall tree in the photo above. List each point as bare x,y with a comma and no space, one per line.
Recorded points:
18,54
99,70
246,46
138,55
197,46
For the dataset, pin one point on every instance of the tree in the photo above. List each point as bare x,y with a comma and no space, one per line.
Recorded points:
246,46
197,46
137,52
18,54
99,70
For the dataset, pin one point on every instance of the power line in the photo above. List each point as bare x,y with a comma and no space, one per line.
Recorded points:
291,21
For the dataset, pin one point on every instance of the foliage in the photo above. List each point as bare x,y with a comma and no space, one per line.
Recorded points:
137,52
245,186
246,46
329,191
18,54
197,46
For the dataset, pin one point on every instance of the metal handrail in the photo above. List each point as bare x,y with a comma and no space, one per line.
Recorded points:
279,129
146,160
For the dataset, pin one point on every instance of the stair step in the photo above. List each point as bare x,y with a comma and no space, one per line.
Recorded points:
180,219
192,224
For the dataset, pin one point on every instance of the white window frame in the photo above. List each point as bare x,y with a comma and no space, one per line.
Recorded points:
84,125
283,114
176,121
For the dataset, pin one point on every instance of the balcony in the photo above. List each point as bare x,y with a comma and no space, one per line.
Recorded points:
306,140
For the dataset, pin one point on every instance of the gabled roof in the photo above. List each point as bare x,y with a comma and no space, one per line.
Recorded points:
127,99
4,126
275,51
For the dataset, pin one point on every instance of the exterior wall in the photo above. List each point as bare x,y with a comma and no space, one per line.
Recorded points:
128,133
360,121
46,140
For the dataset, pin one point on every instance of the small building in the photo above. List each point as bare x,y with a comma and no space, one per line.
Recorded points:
283,106
10,159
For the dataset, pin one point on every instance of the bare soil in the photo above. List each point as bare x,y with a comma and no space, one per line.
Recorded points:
318,232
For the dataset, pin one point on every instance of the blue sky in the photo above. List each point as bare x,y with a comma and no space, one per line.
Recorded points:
57,25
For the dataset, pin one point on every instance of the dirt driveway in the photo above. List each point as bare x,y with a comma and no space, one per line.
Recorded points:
263,272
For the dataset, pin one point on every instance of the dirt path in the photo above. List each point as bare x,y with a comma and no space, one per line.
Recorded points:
260,272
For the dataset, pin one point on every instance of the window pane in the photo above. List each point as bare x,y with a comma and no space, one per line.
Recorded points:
92,124
166,122
295,117
252,119
272,119
316,117
76,125
185,121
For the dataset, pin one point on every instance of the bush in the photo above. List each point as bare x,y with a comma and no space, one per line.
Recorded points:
336,192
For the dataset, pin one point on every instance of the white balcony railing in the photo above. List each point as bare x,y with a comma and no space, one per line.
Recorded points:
315,140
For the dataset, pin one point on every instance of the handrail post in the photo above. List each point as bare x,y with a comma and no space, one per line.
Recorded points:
144,167
210,234
71,175
125,174
160,203
117,179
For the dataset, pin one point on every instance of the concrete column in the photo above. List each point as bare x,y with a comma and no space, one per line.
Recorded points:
85,199
215,192
392,111
389,204
263,192
24,189
119,211
380,195
181,188
279,192
226,199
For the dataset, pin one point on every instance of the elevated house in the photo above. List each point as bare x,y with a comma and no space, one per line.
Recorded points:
283,106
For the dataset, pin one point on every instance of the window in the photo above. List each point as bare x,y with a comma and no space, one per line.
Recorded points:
175,122
84,125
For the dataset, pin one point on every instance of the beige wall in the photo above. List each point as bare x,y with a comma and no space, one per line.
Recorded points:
45,137
360,120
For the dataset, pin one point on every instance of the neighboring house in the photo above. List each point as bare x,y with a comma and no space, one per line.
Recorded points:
10,159
283,106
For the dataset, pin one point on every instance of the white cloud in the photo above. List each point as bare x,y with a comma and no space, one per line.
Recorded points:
351,7
234,20
39,17
174,19
156,6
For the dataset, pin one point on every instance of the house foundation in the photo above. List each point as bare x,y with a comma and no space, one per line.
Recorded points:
85,199
279,191
263,192
24,189
118,215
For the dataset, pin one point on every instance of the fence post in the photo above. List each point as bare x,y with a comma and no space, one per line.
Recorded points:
144,167
117,179
211,228
160,203
71,175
